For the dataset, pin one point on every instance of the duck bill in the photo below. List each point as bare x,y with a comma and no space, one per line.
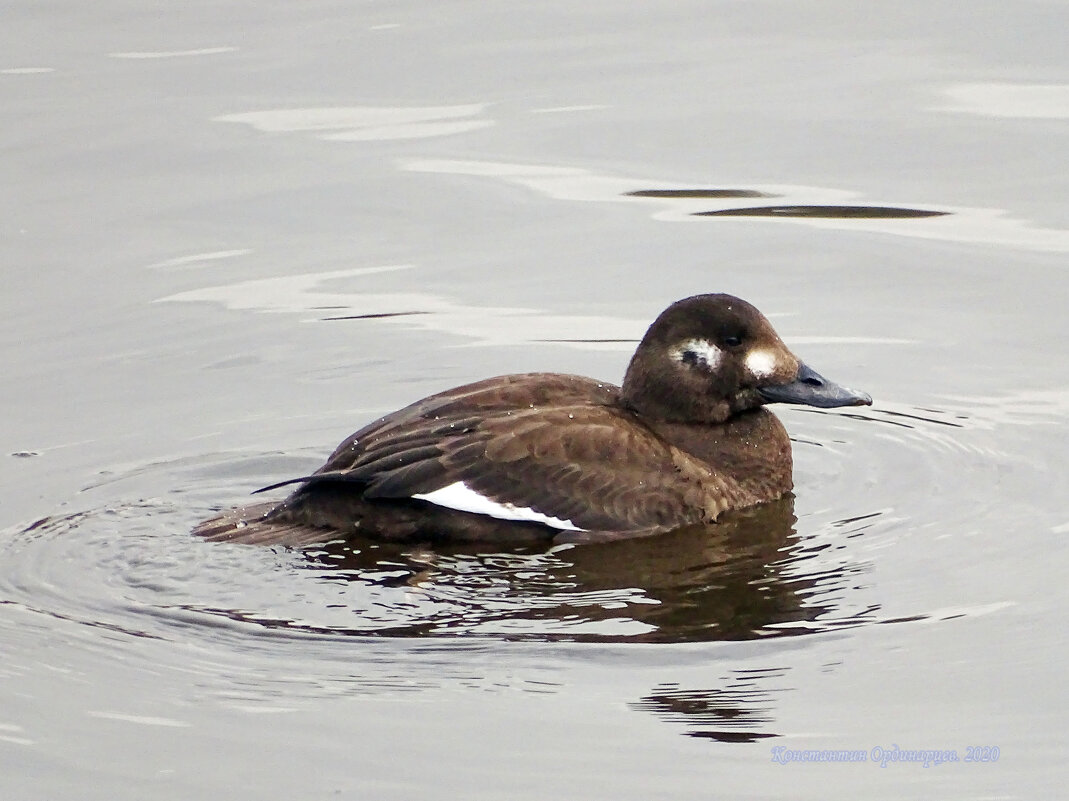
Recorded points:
813,389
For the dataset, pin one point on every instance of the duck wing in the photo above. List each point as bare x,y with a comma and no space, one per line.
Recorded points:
587,467
454,410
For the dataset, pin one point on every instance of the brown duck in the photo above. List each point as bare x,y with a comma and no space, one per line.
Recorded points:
537,456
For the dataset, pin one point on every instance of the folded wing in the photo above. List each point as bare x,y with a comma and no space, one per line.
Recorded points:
590,465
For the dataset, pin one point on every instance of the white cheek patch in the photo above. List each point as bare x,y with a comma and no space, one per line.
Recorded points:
463,498
761,363
699,351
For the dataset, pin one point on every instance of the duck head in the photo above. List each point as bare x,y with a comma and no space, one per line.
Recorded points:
709,357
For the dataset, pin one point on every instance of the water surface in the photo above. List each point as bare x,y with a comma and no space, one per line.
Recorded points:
233,235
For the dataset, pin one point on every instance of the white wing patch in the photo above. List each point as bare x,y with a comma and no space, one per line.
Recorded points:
761,363
700,351
463,498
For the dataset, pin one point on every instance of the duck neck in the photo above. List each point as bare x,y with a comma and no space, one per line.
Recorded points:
655,396
751,449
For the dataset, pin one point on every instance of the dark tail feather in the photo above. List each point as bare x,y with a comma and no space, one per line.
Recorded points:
252,525
336,476
285,483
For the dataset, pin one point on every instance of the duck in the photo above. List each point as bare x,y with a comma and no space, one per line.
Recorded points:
517,459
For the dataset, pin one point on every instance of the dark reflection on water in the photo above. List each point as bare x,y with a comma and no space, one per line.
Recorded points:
796,210
912,419
598,341
700,193
922,419
739,711
831,212
738,580
374,316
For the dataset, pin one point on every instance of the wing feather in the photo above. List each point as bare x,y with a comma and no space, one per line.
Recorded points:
593,466
589,462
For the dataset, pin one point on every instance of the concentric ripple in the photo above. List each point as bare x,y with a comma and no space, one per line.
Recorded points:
869,483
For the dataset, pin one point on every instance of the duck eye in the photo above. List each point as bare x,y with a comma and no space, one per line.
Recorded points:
733,341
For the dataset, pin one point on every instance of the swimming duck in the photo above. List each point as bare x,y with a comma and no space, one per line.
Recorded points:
540,456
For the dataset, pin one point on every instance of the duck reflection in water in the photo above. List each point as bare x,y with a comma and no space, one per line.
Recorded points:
740,710
743,578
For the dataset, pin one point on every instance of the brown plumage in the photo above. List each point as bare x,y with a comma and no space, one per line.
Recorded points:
683,440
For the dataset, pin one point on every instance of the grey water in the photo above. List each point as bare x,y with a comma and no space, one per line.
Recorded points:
230,235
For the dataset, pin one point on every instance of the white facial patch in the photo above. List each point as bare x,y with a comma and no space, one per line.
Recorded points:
761,363
463,498
699,351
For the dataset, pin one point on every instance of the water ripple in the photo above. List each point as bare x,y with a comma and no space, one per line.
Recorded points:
130,571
